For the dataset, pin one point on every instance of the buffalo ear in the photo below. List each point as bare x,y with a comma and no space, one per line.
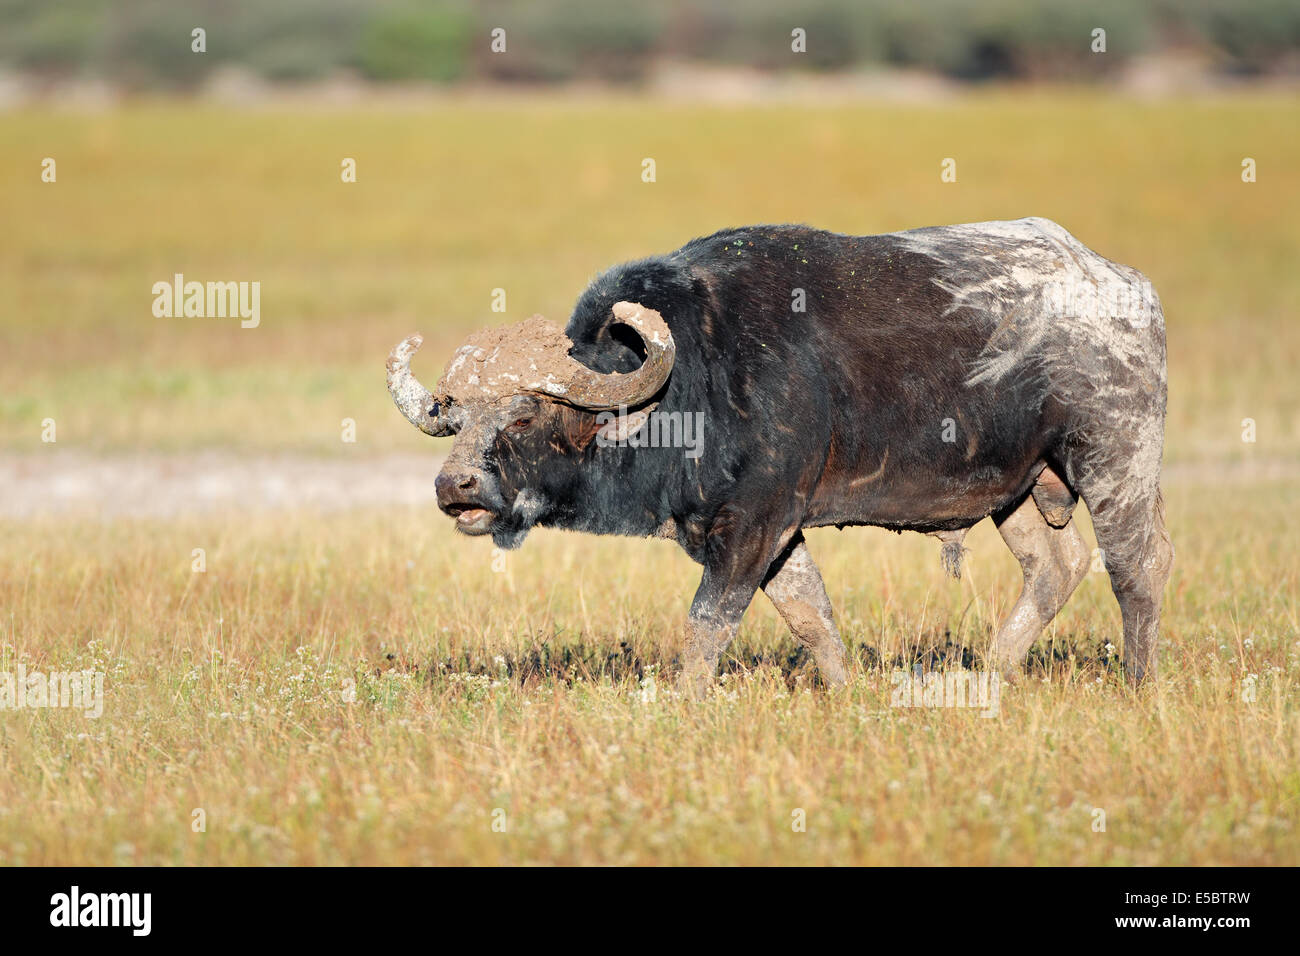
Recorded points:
578,427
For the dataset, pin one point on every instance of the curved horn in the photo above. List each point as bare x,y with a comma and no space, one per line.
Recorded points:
412,399
598,391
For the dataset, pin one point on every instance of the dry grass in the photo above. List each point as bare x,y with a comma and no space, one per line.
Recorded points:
527,689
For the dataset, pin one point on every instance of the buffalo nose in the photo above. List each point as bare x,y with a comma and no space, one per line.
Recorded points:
451,487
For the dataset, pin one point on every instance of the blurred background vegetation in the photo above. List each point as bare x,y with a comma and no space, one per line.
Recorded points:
459,195
132,43
456,197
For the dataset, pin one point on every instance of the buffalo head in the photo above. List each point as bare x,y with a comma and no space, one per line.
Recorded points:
523,411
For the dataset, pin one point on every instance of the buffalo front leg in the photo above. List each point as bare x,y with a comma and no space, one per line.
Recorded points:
795,587
707,635
736,560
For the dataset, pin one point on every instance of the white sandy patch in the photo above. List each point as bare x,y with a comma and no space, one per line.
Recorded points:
158,485
65,483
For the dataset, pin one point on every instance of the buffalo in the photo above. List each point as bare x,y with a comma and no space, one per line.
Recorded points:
920,380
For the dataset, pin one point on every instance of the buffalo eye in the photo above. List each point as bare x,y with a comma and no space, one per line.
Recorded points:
520,424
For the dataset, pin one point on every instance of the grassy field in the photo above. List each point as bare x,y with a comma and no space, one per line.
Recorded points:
540,685
536,196
364,686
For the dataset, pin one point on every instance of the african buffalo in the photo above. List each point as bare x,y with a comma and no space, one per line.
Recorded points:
919,380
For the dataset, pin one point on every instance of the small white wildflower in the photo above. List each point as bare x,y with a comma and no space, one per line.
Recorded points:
649,692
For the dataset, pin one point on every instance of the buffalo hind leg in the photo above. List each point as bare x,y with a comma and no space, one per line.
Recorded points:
795,587
1138,555
1053,561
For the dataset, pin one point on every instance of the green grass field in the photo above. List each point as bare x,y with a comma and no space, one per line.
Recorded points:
365,686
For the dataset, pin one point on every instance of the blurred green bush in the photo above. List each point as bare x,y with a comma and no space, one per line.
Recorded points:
146,43
416,42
